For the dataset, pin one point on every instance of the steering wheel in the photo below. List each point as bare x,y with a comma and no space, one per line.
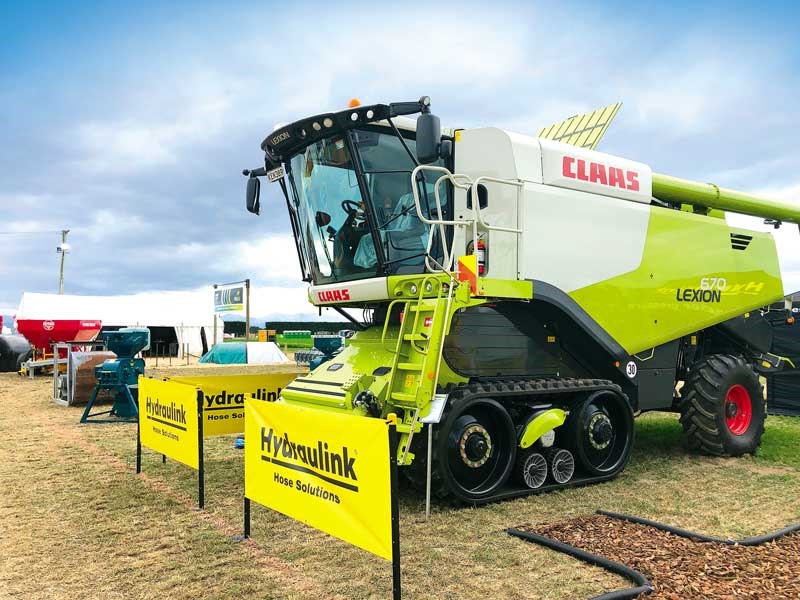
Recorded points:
351,207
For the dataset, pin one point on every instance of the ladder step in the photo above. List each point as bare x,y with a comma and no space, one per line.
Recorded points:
408,366
401,397
422,308
415,337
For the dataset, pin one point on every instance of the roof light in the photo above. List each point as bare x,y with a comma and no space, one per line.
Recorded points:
354,102
370,114
328,122
354,116
316,126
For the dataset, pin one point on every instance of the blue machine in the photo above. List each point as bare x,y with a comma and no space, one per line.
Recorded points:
120,375
327,346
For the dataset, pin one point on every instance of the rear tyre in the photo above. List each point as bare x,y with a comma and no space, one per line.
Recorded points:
723,407
475,448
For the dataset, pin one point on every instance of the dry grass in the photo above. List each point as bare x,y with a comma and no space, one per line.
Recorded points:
77,522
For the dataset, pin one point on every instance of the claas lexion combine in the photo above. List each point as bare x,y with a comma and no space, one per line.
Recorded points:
521,298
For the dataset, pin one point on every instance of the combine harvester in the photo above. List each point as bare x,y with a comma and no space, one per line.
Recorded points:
523,298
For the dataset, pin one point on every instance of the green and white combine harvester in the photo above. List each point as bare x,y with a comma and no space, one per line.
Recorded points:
523,298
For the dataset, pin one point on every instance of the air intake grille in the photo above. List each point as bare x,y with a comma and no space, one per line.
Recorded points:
740,241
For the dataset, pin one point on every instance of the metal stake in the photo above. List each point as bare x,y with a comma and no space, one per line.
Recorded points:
428,473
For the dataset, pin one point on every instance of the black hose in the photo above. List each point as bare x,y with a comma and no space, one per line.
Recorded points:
752,541
643,585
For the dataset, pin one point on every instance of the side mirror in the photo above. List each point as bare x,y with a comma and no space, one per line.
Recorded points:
429,137
253,194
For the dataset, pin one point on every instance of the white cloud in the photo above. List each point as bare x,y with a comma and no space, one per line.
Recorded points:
269,258
106,225
153,132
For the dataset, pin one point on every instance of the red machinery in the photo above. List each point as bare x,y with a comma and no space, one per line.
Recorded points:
41,333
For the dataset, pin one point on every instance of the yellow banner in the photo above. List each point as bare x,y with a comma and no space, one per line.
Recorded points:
168,419
223,397
327,470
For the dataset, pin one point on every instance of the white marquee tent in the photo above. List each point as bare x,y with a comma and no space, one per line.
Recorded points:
187,312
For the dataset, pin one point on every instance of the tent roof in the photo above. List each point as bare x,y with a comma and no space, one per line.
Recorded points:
253,353
155,309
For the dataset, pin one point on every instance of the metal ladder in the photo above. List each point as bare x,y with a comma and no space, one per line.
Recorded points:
418,348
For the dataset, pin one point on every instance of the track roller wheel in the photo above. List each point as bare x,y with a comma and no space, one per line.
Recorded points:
532,468
475,448
723,408
600,432
562,464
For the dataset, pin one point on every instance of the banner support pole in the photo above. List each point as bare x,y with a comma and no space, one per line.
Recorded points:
395,512
247,310
201,472
246,531
138,448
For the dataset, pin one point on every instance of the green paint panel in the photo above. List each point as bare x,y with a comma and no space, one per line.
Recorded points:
548,420
676,290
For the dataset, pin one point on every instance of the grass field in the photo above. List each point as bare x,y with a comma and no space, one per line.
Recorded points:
76,521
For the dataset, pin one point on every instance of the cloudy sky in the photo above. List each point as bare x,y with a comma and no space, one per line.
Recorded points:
130,123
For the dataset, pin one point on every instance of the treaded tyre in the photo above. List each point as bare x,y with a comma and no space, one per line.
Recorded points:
723,408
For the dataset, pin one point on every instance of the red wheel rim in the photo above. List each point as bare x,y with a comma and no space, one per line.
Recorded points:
738,409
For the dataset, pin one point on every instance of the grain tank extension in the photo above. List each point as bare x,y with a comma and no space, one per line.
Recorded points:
521,299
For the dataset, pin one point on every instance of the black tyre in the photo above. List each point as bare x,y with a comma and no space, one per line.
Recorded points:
22,358
599,432
475,448
722,407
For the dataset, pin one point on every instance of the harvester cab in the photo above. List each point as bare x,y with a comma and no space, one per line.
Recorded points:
522,297
119,376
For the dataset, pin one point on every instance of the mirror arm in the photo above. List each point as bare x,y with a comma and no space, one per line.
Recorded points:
402,141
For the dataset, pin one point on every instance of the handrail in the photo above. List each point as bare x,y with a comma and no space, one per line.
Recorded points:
386,324
462,182
458,181
476,209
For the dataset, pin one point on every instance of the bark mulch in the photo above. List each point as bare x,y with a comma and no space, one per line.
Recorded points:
679,568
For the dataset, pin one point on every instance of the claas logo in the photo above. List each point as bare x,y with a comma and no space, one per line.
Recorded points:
333,295
595,172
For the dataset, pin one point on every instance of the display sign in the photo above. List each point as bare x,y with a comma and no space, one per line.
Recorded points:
224,396
176,414
168,420
229,299
330,471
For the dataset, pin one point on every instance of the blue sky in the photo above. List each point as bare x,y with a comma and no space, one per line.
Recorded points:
130,123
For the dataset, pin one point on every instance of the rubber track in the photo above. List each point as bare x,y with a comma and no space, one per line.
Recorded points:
516,387
698,409
520,388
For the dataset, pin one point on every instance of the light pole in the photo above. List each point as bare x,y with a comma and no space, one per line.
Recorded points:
63,250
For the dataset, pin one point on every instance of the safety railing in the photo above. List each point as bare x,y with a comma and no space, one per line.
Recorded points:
462,182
